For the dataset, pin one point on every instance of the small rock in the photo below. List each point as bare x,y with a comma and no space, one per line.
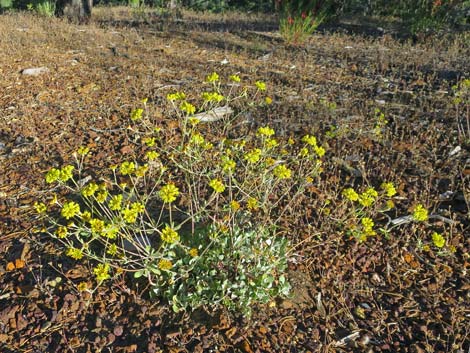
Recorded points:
35,71
118,330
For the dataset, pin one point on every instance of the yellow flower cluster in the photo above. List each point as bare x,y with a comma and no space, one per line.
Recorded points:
213,77
265,131
110,231
61,232
102,272
83,151
438,240
253,156
350,194
168,193
89,190
136,114
131,213
63,174
368,197
115,203
197,139
169,235
212,97
367,226
165,265
149,141
188,108
260,85
127,168
235,78
70,209
228,164
152,155
40,207
282,172
193,252
74,253
217,185
389,189
420,213
252,204
234,205
176,96
270,143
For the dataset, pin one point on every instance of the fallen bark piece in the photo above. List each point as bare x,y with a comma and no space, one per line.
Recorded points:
214,114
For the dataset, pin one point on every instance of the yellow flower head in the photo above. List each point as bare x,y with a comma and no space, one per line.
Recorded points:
350,194
304,152
168,193
265,131
438,240
268,100
282,172
89,189
270,143
115,202
188,108
151,155
66,173
86,216
253,156
217,185
40,207
367,225
213,77
70,209
169,235
228,164
176,96
129,215
140,172
252,204
82,286
193,252
138,207
165,265
389,189
127,168
320,151
235,78
260,85
52,175
83,151
234,205
74,253
420,214
61,232
97,225
149,141
102,272
367,198
310,140
112,249
136,114
110,231
197,139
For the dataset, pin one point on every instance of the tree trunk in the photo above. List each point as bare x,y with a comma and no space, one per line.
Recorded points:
78,11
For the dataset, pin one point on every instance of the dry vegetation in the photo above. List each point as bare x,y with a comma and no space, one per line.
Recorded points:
396,292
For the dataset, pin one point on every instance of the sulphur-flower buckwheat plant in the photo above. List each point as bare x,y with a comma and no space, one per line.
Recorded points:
195,216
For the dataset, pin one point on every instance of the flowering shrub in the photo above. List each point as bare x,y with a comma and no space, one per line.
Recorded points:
196,217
